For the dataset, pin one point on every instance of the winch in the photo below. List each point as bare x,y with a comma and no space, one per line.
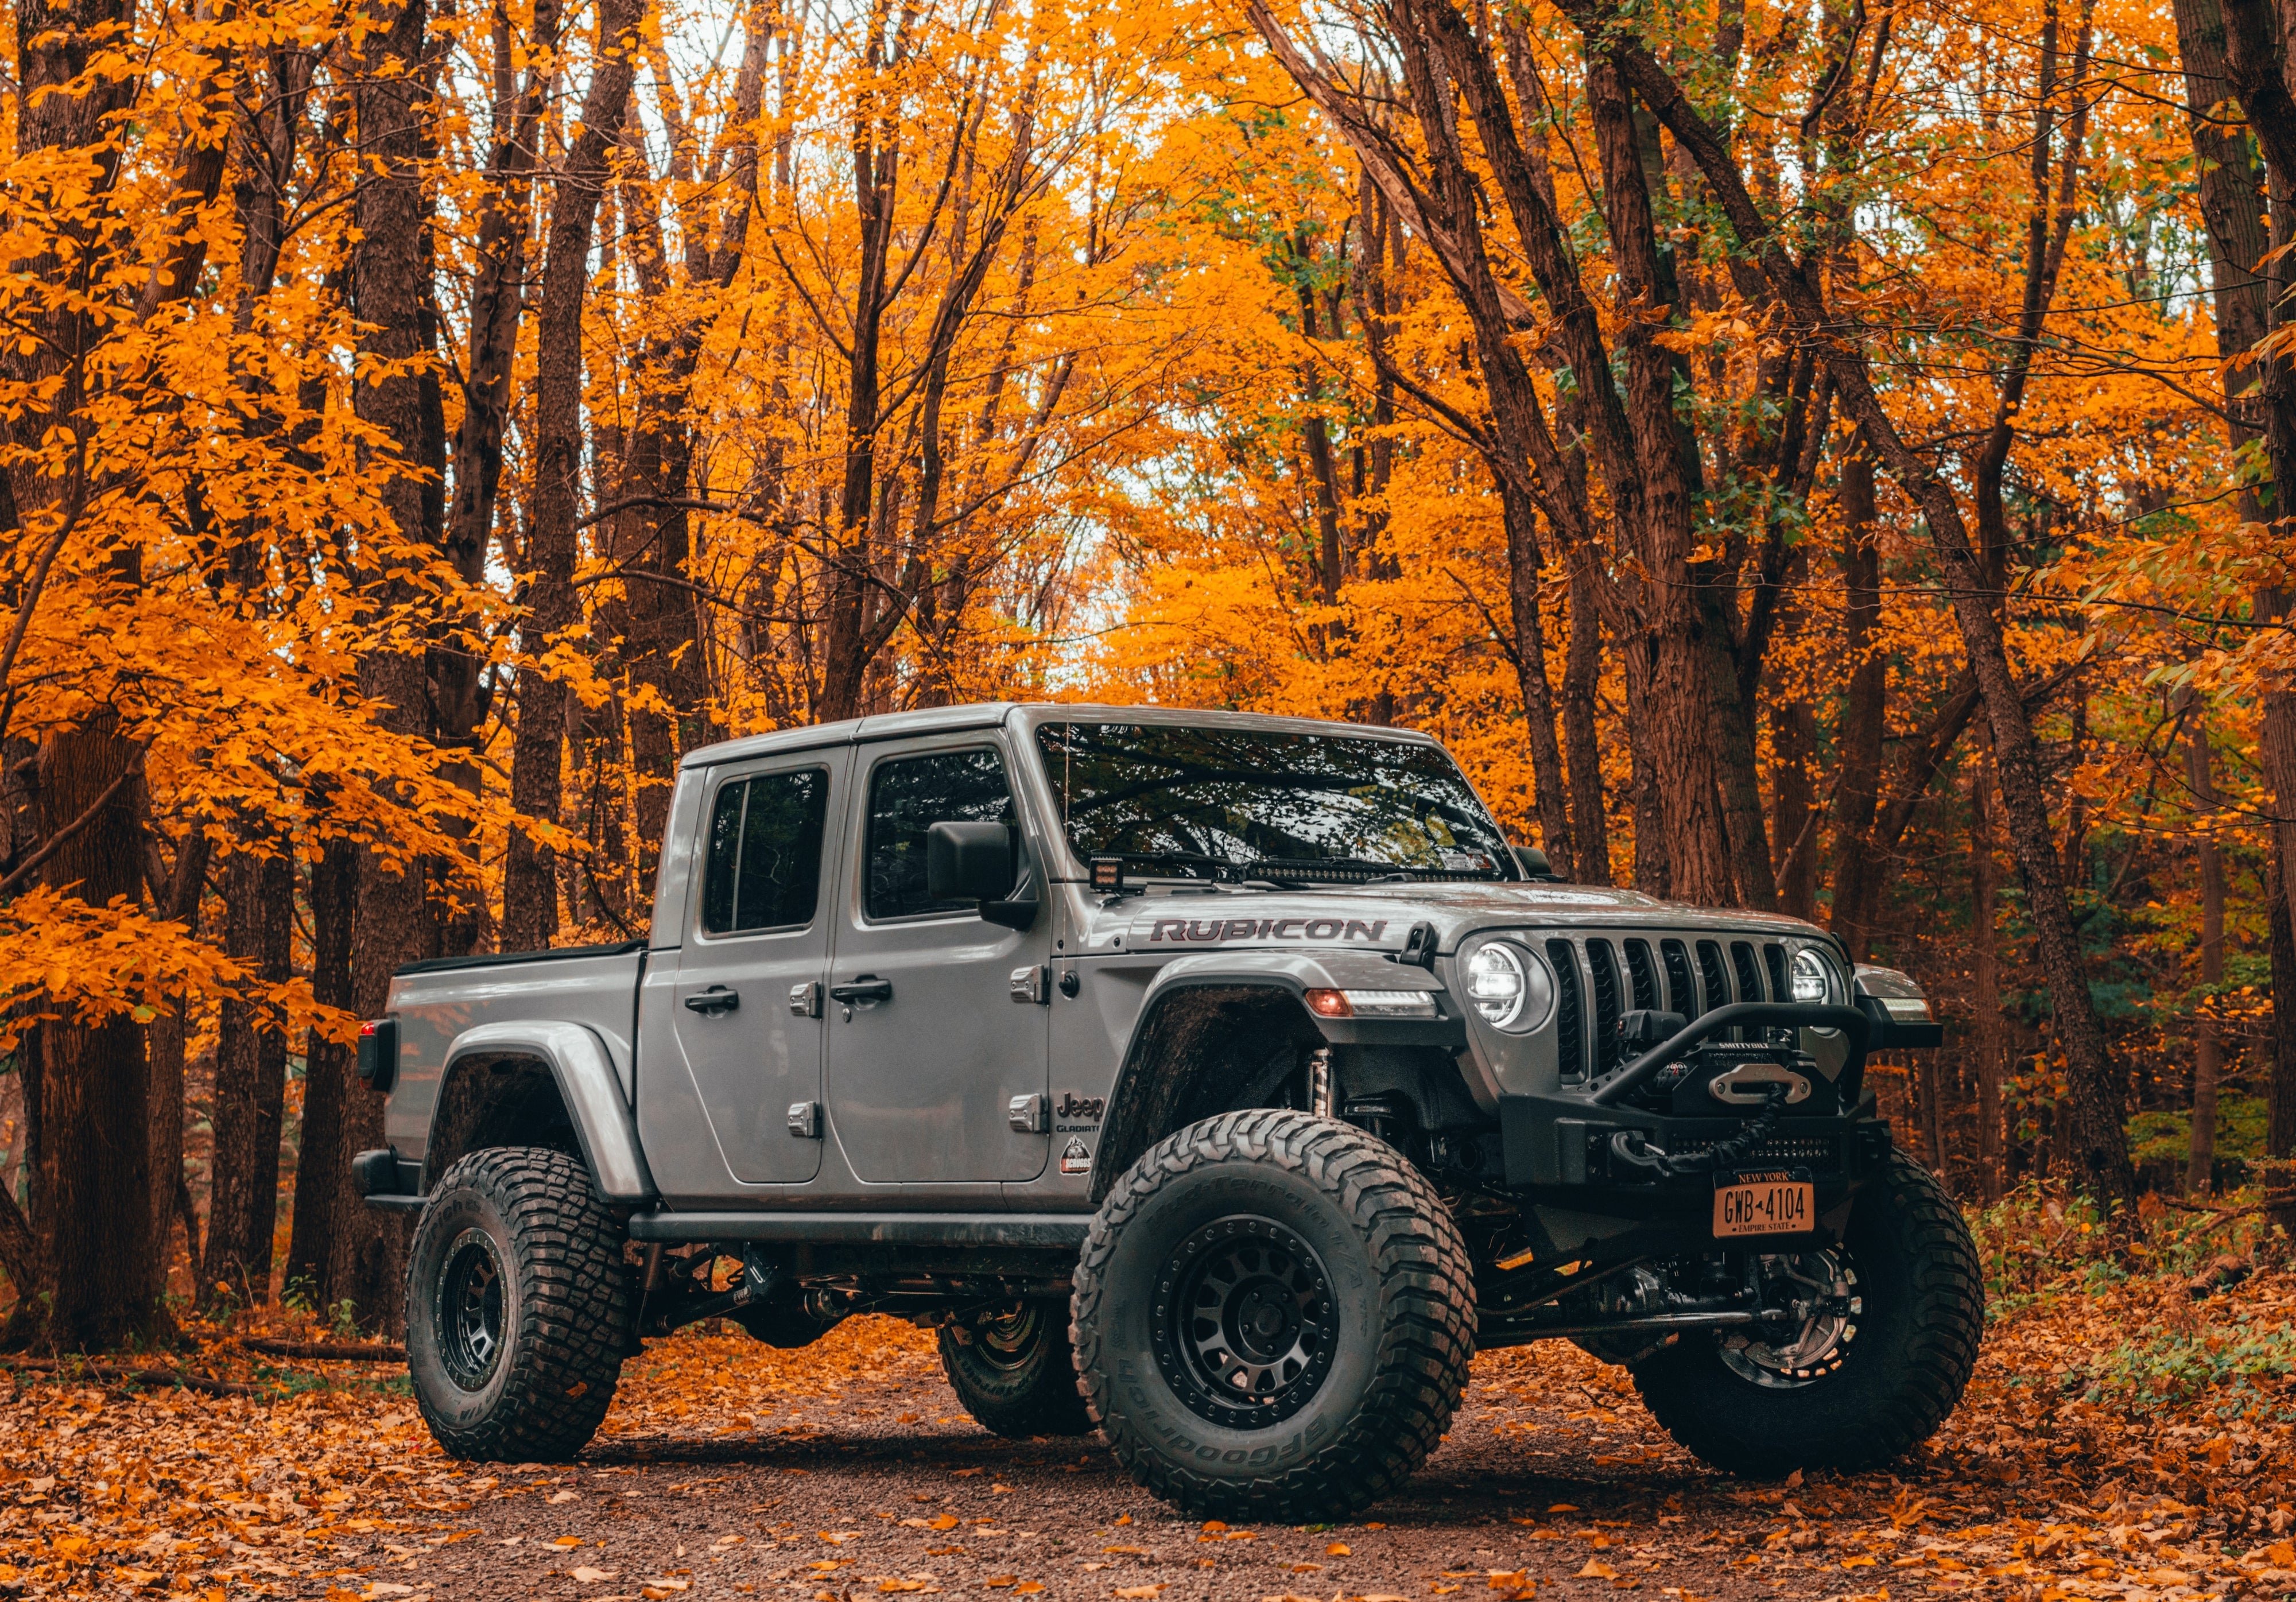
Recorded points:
1727,1076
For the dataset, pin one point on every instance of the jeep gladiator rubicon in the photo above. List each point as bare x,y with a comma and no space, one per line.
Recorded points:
1220,1082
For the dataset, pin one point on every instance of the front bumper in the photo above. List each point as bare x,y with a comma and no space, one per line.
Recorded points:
1560,1157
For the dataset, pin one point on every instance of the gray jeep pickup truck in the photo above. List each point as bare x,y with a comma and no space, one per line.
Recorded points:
1223,1083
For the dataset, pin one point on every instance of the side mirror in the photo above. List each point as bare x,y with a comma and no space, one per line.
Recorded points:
970,861
1534,863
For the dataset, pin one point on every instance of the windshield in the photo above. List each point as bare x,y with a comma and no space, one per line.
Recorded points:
1227,803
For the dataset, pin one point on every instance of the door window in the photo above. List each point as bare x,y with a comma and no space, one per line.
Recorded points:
906,797
765,852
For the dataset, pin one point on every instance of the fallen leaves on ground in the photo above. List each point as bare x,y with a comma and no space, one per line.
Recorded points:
2122,1438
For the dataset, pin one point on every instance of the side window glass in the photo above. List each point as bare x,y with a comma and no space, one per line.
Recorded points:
909,795
765,852
724,850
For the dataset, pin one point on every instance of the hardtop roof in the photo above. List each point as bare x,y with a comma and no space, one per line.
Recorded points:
994,714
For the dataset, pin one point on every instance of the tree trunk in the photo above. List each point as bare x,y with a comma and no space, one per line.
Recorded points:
2280,1129
2207,1042
275,883
250,1083
1582,678
101,1284
227,1271
1793,737
1737,769
1986,1050
320,1159
395,920
1653,860
187,885
1529,653
1858,788
876,181
530,888
1929,1077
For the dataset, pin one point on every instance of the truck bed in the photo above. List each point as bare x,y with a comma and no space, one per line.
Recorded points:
438,1001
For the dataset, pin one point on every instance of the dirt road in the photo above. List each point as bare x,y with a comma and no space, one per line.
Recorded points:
845,1470
851,1471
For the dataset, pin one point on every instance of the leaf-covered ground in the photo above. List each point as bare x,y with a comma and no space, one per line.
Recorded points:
2122,1438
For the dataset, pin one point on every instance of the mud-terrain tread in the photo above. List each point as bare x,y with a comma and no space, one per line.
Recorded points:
579,1300
1049,1404
1948,1324
1425,1274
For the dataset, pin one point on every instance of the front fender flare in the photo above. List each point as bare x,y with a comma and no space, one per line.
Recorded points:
1287,973
587,1084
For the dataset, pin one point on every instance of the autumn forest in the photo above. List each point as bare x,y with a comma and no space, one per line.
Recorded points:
426,419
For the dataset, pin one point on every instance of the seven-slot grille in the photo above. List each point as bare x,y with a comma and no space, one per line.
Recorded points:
1598,976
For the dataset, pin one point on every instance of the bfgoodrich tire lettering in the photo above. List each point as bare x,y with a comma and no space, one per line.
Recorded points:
1918,1333
518,1307
1398,1330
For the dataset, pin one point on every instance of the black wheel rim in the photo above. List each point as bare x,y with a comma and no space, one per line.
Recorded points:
1245,1323
470,1314
1008,1340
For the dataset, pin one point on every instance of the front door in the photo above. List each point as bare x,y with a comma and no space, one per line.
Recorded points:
926,1056
748,995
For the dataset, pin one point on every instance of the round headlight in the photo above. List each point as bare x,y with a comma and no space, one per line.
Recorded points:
1812,980
1496,985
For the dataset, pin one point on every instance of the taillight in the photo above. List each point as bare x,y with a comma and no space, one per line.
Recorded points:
378,1052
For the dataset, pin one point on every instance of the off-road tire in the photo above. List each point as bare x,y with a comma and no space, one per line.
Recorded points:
1900,1378
566,1306
1401,1312
1021,1389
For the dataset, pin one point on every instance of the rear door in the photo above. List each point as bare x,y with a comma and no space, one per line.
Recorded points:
922,1078
748,993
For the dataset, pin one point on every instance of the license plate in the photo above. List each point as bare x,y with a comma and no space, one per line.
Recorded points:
1763,1204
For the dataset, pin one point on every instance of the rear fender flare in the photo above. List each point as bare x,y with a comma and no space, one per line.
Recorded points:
1260,996
590,1091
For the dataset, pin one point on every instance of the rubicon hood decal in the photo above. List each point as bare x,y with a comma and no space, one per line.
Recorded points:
1317,928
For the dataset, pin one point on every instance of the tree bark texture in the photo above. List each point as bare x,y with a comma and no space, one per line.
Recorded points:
1582,677
530,889
1985,1042
2208,1033
100,1284
396,920
1793,737
876,156
2280,1128
186,887
1858,783
250,1064
1528,649
320,1157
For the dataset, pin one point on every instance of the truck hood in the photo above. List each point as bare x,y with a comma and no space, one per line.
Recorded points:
1379,917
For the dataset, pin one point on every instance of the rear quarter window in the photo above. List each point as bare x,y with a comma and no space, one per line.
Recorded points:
764,869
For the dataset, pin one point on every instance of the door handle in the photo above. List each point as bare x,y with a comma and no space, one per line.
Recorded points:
717,999
867,988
